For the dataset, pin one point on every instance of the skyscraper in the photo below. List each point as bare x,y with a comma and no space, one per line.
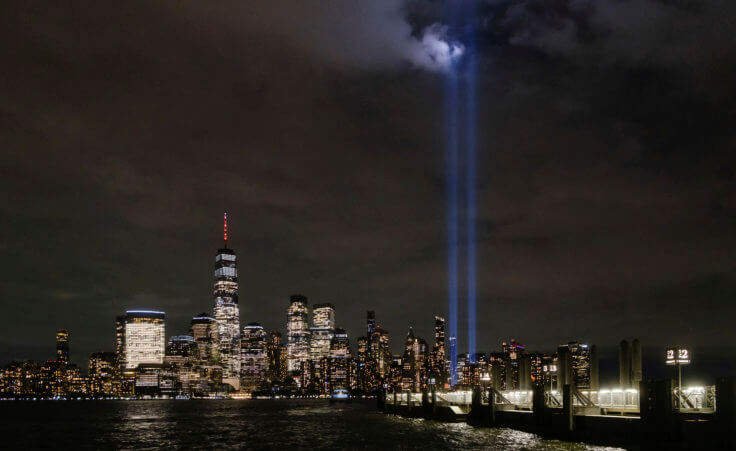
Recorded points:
62,346
580,356
370,326
180,349
339,374
380,351
142,333
297,333
276,358
104,374
253,357
437,362
206,334
322,331
227,311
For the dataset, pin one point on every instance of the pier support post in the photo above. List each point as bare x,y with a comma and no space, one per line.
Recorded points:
434,402
538,407
726,411
492,407
656,410
567,408
426,407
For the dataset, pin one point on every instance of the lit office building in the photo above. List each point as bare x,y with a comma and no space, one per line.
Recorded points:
143,338
462,360
323,315
436,371
370,326
157,380
413,362
323,328
253,356
536,367
380,351
339,362
580,361
297,333
227,312
62,346
60,379
180,349
394,373
276,354
206,334
103,374
366,374
575,365
514,352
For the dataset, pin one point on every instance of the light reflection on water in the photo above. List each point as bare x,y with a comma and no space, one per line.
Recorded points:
260,424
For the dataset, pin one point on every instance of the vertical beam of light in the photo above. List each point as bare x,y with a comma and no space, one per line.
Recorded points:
452,192
470,181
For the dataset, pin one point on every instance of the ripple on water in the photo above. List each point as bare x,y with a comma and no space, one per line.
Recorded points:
259,424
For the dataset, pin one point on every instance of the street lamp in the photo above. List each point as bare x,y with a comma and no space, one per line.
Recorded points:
678,357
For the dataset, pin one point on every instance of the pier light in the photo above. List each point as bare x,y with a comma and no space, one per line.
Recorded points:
677,356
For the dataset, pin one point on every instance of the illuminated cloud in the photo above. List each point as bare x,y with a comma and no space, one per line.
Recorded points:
436,52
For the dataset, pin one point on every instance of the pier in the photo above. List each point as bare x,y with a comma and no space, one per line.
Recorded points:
654,415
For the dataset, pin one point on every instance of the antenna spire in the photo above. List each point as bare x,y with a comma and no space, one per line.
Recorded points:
224,229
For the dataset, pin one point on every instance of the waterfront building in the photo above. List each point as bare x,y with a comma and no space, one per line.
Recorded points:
462,360
227,311
180,349
366,375
297,334
394,373
536,367
205,331
157,380
142,333
62,345
436,364
60,379
380,351
277,358
370,326
414,363
253,357
322,331
120,339
20,379
103,374
339,363
513,353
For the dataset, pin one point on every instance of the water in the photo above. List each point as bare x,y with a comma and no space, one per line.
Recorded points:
256,424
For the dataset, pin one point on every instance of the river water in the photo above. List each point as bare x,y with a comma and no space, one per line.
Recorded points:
253,424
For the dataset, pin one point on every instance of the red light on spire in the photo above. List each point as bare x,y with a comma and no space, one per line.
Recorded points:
224,229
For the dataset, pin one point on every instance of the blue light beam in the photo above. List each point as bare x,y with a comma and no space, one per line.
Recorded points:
470,186
452,192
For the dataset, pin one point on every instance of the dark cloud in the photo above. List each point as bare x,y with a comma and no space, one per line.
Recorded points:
606,166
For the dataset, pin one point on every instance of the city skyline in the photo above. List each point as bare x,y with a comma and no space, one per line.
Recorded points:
603,207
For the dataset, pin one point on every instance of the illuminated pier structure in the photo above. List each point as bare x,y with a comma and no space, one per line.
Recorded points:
655,413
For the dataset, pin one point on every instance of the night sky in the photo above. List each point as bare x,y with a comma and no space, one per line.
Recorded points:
606,197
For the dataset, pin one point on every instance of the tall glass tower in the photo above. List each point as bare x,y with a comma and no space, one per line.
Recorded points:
297,333
227,312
